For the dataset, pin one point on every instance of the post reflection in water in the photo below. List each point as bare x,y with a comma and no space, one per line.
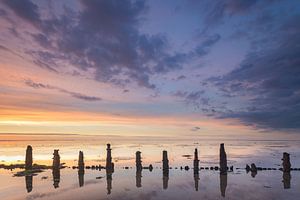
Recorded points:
109,181
165,179
196,179
286,179
81,177
196,169
138,178
223,184
56,177
28,183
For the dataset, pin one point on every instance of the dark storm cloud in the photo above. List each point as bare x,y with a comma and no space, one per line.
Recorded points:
104,36
77,95
270,79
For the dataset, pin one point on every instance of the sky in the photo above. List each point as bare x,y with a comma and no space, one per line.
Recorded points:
150,68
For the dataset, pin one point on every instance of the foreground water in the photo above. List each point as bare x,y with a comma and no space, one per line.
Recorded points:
127,184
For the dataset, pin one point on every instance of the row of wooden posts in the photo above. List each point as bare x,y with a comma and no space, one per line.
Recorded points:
286,165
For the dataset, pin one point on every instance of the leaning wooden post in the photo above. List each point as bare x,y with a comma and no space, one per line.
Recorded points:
223,160
28,158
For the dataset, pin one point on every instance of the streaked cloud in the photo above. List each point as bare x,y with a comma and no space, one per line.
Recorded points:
77,95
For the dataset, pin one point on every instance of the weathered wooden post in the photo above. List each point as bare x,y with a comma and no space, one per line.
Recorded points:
286,165
109,163
223,160
196,162
28,158
138,161
165,170
80,161
165,161
56,160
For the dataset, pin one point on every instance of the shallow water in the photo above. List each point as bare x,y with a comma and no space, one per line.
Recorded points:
127,184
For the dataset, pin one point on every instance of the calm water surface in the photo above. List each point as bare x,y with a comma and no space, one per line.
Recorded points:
127,184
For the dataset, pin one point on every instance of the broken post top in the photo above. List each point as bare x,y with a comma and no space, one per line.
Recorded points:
109,163
55,152
286,156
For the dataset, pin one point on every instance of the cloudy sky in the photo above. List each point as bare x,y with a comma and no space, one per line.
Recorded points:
173,67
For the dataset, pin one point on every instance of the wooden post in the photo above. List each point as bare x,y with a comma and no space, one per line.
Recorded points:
165,161
286,162
196,162
28,158
223,160
109,163
56,160
80,161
